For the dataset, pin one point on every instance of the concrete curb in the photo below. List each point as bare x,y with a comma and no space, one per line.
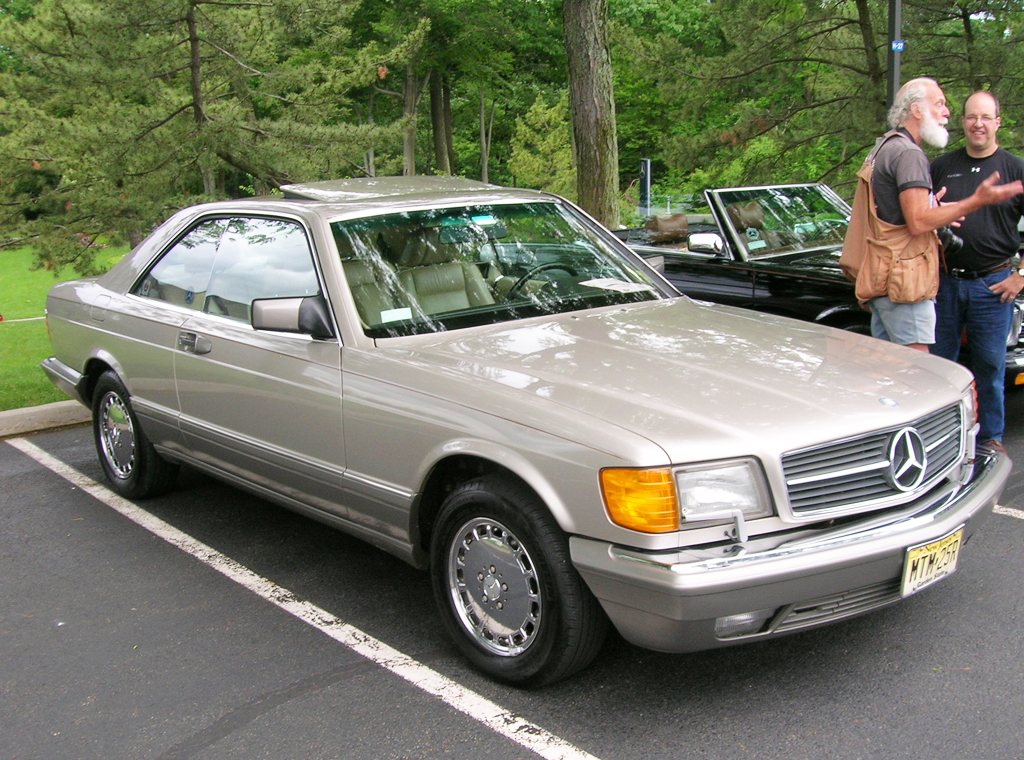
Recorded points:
36,418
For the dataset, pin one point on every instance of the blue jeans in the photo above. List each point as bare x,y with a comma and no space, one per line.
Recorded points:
970,304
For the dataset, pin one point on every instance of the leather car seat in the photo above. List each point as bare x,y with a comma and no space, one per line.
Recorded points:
667,230
748,219
433,275
370,290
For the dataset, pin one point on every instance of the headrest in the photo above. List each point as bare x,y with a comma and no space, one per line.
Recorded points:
423,248
667,228
746,215
390,241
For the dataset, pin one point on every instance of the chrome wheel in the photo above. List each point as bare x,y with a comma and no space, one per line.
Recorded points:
117,435
494,586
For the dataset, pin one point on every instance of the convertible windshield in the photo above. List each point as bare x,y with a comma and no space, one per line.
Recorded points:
444,269
786,218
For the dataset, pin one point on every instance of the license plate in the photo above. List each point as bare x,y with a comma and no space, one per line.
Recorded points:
931,562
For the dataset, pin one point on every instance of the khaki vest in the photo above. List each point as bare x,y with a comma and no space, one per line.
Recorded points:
884,259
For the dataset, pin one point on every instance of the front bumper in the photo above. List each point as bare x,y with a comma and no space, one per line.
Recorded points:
1015,366
670,601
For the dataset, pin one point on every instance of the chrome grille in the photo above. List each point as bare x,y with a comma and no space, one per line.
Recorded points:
856,471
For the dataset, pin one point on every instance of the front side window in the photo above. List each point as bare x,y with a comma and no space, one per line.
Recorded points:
222,265
444,269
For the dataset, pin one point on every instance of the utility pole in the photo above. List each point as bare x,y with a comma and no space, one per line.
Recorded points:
895,48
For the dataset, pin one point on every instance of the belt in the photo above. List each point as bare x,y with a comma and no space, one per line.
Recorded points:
974,274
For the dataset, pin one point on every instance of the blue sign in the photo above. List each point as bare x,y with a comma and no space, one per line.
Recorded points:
897,46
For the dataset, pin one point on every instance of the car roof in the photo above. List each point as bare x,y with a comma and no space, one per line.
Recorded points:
341,190
349,198
357,197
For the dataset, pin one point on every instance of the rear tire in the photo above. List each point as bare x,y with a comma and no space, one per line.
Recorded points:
506,588
129,460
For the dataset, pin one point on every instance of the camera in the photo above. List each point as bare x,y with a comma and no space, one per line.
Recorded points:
951,243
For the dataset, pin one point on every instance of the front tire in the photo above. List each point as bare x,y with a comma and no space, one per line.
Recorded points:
506,588
129,460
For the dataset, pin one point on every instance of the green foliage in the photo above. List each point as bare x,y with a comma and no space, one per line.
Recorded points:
122,111
118,112
758,91
542,148
24,344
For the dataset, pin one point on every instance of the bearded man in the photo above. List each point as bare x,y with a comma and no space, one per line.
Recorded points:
902,187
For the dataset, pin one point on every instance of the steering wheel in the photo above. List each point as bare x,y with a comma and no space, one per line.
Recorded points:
514,290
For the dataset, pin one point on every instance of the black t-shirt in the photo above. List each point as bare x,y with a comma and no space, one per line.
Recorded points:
990,234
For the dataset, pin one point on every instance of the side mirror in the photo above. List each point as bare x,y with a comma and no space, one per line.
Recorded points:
307,316
705,242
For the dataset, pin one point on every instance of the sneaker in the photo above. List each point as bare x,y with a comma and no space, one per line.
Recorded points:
991,448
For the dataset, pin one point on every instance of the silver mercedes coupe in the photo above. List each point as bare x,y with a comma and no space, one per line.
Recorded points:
488,384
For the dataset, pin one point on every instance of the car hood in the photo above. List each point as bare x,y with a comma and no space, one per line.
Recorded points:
690,377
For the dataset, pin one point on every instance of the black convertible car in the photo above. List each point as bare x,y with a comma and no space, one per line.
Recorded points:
773,249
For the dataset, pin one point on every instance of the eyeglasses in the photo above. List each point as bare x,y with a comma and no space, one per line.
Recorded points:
982,119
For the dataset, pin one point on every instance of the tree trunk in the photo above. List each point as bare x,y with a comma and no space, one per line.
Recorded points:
593,107
371,168
874,64
485,138
439,127
409,102
195,58
446,97
196,91
972,73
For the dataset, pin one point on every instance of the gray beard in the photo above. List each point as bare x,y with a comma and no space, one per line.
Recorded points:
934,133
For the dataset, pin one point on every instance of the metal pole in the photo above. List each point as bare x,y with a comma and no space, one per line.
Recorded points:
895,48
645,187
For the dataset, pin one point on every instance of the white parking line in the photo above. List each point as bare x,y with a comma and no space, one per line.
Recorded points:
1009,512
470,703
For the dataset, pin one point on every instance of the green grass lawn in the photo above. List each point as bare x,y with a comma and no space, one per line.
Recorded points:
23,339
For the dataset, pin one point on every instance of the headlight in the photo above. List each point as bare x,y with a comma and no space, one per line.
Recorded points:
665,499
727,486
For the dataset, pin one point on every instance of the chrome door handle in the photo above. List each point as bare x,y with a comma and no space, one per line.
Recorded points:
191,343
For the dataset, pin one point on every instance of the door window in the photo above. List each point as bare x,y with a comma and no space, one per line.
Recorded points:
222,265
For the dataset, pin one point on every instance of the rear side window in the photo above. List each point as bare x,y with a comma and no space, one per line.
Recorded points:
222,265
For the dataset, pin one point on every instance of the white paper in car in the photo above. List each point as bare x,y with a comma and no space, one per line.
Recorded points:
753,245
607,283
395,315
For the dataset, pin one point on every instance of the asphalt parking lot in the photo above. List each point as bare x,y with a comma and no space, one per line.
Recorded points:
209,624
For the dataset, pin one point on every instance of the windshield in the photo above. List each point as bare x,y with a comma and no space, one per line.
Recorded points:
784,219
449,268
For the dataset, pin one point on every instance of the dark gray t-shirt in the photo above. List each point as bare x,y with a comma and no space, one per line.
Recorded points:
899,164
990,234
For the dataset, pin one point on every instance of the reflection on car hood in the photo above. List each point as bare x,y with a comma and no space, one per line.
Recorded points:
827,258
687,375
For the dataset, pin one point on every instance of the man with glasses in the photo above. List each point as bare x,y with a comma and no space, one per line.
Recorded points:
978,283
